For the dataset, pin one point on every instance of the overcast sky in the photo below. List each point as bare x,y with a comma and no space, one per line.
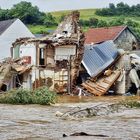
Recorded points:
56,5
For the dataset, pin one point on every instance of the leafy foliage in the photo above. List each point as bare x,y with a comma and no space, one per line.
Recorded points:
19,96
49,20
4,14
43,96
28,14
120,9
22,96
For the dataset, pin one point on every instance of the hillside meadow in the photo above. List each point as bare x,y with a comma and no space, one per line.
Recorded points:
85,14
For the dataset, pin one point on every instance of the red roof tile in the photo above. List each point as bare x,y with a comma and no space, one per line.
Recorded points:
96,35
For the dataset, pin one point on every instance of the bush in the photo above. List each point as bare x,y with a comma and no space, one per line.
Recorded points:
22,96
43,96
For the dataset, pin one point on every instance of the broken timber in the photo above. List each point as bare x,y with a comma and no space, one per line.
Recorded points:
102,85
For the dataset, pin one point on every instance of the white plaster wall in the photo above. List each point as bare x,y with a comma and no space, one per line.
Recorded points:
64,52
28,50
15,31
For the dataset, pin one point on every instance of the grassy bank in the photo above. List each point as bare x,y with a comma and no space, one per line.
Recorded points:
21,96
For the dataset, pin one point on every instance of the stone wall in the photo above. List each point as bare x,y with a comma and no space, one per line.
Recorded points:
127,41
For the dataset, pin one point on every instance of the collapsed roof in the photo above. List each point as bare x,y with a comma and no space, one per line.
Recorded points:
68,32
98,57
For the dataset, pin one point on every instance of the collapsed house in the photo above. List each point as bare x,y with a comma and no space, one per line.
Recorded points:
98,73
53,61
108,69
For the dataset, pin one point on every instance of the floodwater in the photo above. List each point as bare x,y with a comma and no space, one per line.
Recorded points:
36,122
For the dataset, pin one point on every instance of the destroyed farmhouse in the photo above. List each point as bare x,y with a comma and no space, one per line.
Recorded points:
52,61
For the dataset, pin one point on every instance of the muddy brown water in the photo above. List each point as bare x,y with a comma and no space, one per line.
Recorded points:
36,122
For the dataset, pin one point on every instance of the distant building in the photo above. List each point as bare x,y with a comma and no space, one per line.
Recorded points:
122,36
10,30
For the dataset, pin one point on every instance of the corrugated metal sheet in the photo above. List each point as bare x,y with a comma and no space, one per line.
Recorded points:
97,57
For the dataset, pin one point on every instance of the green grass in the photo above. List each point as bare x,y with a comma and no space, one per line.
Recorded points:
40,29
85,14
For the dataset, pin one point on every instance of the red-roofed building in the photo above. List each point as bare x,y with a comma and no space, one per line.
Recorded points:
122,36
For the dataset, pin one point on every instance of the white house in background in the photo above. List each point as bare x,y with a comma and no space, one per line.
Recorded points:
10,30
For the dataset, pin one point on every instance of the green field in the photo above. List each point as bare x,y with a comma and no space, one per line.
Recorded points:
85,14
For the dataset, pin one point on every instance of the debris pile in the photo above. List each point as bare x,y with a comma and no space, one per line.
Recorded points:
10,71
87,112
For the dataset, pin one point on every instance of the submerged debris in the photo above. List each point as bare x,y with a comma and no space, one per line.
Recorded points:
84,134
87,112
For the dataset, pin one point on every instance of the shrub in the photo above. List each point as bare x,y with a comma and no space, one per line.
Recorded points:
23,96
43,96
20,96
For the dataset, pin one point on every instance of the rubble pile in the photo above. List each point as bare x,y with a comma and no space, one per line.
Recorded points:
87,112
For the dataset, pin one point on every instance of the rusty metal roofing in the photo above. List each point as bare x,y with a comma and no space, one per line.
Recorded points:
98,57
97,35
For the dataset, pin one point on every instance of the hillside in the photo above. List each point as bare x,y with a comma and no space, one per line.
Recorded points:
85,14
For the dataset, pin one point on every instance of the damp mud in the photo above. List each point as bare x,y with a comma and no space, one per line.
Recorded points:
36,122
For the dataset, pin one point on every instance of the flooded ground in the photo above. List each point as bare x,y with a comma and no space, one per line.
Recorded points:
36,122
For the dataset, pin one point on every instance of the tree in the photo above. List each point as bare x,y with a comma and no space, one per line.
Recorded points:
26,12
102,23
112,9
123,8
4,14
93,22
49,20
112,6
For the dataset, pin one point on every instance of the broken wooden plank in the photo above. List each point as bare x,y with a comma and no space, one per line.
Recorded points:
96,88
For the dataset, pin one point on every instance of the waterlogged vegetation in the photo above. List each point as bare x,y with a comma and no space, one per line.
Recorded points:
130,103
22,96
